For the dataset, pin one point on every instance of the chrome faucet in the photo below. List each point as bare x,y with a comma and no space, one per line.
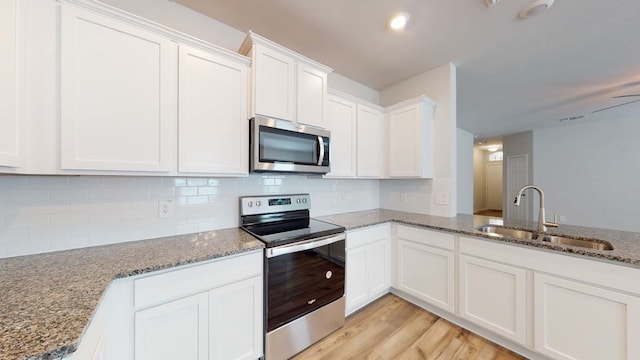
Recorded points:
542,223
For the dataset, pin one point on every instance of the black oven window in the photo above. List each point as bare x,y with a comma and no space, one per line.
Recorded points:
278,145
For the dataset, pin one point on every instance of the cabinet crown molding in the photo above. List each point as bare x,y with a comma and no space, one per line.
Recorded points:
253,38
354,99
172,34
416,100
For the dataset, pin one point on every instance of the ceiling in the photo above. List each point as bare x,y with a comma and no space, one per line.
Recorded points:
512,74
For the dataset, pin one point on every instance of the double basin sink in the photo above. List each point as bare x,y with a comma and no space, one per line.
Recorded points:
499,231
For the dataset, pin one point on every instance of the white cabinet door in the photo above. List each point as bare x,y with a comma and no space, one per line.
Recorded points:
175,330
493,296
341,121
410,140
236,320
427,273
118,94
274,84
378,268
578,321
356,287
12,132
212,121
370,142
311,99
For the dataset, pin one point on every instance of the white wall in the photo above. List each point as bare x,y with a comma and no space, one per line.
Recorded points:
465,189
590,173
49,213
440,85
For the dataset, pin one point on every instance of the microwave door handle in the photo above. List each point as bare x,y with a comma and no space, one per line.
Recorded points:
321,145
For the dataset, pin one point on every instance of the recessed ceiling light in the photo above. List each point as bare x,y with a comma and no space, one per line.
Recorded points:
399,21
490,3
536,7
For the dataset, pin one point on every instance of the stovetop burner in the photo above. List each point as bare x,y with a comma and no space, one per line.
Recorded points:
282,219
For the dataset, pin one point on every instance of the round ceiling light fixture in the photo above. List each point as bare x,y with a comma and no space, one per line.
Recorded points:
398,21
493,148
536,7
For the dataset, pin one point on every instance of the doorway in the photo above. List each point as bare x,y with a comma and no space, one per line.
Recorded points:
488,179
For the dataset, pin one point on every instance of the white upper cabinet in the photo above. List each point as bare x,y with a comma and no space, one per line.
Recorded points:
212,120
411,138
341,121
285,85
12,132
118,94
371,142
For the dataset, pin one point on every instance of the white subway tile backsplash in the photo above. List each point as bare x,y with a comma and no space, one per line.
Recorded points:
50,213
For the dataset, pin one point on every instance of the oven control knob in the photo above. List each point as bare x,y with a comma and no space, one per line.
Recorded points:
304,200
328,275
250,204
298,201
257,203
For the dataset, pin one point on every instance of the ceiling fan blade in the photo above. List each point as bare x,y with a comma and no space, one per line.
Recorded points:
625,96
615,106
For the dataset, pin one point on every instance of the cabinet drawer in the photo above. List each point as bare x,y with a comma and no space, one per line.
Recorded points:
427,237
368,235
157,289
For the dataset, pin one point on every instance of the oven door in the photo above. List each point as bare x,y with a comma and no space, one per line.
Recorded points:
283,146
303,277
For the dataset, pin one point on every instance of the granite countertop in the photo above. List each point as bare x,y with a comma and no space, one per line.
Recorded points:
47,300
626,245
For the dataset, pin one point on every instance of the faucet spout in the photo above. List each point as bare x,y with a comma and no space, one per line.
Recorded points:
542,222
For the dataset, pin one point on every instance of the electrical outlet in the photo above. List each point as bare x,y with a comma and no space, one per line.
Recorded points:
166,209
403,197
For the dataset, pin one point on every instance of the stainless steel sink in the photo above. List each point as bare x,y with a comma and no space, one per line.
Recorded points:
560,240
499,231
502,231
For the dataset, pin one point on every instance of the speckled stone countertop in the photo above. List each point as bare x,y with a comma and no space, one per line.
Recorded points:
626,245
47,300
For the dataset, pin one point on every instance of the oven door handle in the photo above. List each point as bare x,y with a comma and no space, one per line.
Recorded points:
311,244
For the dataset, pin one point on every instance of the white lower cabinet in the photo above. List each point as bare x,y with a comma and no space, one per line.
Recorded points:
175,330
578,321
426,266
493,296
368,265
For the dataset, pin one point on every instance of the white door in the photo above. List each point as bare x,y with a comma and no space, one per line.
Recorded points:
212,121
236,319
494,185
370,142
493,296
517,177
274,84
311,99
118,94
175,330
405,142
356,287
11,125
427,273
578,321
341,121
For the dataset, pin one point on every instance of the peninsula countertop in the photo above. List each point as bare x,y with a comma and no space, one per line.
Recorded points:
47,300
626,244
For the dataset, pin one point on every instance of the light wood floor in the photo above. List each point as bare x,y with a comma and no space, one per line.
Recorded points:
391,328
495,213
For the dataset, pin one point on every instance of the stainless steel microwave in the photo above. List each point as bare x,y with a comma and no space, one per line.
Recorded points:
283,146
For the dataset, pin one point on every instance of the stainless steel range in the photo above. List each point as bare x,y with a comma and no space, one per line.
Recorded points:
304,271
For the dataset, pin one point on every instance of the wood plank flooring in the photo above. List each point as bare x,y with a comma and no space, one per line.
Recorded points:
391,328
